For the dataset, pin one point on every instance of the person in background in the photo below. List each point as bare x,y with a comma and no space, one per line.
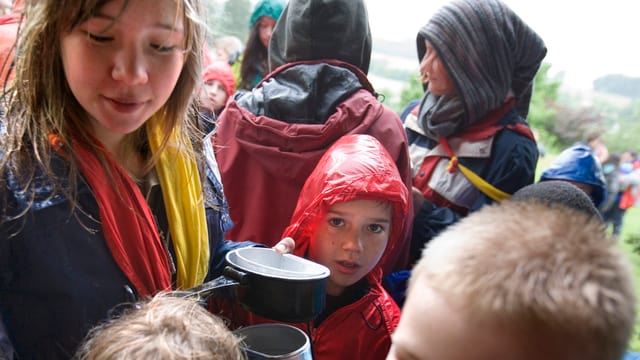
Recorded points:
349,217
164,327
469,142
269,140
579,166
104,195
217,88
9,22
559,289
624,182
253,65
228,49
597,145
6,7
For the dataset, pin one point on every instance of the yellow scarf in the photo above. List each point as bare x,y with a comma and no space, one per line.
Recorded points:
184,203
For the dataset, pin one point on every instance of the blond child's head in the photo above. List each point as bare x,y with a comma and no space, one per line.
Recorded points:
520,280
165,327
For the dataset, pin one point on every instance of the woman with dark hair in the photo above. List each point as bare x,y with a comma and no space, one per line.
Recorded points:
253,65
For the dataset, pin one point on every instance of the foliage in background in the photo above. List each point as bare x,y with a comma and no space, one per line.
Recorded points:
227,17
542,111
630,243
622,126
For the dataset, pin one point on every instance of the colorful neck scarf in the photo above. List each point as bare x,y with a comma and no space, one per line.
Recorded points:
184,203
127,222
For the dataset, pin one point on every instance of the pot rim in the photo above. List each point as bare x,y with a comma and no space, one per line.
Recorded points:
247,259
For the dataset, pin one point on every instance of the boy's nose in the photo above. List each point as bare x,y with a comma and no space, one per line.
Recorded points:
353,242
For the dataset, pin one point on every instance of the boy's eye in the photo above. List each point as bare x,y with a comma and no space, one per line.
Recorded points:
376,228
336,222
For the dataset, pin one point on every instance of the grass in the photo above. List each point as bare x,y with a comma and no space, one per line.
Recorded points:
630,240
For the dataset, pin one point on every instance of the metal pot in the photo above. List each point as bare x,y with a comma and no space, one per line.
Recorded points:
274,341
276,286
281,287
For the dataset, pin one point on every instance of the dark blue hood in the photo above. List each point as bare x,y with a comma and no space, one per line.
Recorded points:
578,164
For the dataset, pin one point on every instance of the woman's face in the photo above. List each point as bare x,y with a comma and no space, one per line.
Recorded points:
265,28
123,68
432,70
350,240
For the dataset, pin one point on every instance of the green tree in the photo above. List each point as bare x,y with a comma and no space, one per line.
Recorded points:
234,19
411,92
542,110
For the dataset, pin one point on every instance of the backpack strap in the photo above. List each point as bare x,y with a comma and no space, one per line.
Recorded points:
482,185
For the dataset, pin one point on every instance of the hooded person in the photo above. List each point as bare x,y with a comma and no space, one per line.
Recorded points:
470,144
269,140
252,65
579,166
219,85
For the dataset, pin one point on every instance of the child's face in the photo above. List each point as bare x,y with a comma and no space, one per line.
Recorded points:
431,328
350,240
214,95
123,70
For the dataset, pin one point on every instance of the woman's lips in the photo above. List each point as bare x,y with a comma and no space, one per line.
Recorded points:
126,106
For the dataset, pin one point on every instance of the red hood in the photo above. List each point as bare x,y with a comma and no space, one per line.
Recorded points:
356,167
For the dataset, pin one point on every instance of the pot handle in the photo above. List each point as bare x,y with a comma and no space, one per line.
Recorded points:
240,277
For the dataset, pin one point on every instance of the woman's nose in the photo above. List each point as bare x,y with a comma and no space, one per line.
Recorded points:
130,67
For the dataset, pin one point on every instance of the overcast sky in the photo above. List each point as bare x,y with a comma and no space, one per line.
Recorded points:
585,39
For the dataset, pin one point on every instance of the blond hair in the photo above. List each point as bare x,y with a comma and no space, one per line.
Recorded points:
164,327
536,265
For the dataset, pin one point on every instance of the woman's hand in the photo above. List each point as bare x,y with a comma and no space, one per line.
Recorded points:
285,246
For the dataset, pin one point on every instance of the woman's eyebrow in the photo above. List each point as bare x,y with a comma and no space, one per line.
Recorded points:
161,25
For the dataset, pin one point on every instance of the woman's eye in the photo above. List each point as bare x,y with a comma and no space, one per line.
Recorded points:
98,38
163,48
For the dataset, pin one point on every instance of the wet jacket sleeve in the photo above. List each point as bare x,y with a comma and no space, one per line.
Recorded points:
6,348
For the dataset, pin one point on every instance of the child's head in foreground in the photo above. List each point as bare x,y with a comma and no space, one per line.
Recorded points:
165,327
520,280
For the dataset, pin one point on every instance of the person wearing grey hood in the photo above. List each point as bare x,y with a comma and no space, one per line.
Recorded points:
269,140
470,144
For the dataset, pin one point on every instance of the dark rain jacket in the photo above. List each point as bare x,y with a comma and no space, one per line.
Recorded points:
57,275
269,140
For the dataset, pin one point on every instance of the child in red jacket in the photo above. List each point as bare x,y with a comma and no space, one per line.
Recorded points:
349,216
